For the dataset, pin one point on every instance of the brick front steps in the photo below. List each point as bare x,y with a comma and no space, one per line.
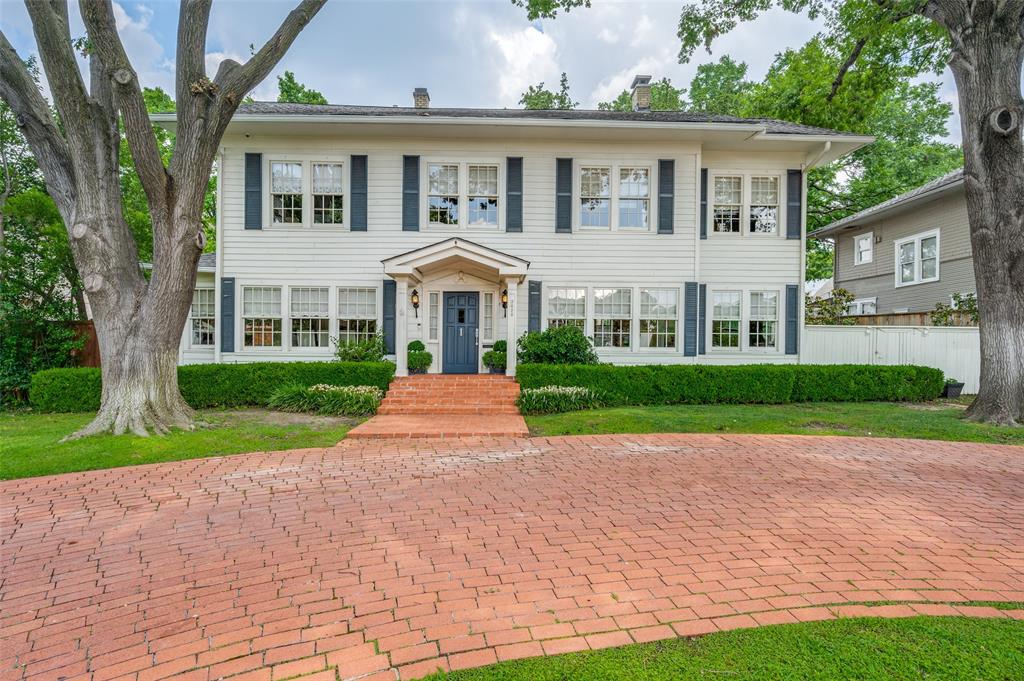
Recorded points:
445,406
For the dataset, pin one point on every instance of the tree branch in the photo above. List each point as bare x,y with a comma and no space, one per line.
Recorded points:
851,59
193,18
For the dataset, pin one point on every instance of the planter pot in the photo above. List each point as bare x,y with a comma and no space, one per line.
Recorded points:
496,370
952,389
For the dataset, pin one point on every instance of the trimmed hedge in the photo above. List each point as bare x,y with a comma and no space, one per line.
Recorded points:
209,385
739,384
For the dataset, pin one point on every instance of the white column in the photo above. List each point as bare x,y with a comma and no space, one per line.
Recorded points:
401,327
510,323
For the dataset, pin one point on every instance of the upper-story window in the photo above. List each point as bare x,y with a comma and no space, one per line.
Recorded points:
595,197
863,248
764,205
286,192
443,193
463,194
917,259
483,195
614,196
634,197
751,200
728,204
328,194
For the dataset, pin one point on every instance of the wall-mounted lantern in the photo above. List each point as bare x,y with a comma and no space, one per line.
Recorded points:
504,302
415,298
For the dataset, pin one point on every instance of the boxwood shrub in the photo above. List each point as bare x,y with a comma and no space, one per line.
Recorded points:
209,385
740,384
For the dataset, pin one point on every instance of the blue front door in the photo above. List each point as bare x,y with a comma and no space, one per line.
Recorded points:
461,330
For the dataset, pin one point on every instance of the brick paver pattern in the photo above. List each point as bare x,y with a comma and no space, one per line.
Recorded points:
384,559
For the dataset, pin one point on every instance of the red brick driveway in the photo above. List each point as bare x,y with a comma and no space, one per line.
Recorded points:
384,560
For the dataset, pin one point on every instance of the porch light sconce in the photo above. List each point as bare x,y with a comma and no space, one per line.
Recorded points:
504,302
416,302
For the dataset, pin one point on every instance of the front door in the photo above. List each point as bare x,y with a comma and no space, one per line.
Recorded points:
461,330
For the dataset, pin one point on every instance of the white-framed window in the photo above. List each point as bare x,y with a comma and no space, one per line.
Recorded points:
286,192
917,258
488,316
613,316
567,307
309,310
261,316
204,317
595,196
726,317
658,314
634,197
434,312
728,204
863,248
862,306
357,314
483,195
328,194
764,204
443,193
763,323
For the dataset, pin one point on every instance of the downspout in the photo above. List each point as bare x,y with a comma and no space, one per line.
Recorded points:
802,317
817,157
219,259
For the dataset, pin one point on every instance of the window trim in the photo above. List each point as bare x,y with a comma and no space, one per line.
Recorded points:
345,204
614,167
917,239
586,304
779,313
336,290
307,161
463,164
326,349
746,196
859,302
677,318
191,318
710,345
870,236
285,337
744,346
594,318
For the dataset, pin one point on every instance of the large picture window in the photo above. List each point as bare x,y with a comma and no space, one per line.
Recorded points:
310,317
483,195
443,193
357,314
725,319
203,316
286,192
658,313
567,307
634,197
595,197
261,316
764,316
612,317
917,259
328,198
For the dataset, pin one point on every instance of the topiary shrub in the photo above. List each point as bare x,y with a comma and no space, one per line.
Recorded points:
555,399
500,346
371,350
328,400
557,345
416,346
419,361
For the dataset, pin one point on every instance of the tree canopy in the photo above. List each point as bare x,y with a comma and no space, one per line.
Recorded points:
291,90
539,97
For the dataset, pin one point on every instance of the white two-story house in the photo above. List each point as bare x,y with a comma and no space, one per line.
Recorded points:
668,237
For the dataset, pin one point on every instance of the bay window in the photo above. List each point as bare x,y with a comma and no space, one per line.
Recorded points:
612,317
261,316
357,315
286,192
762,326
203,316
328,194
658,313
917,259
310,317
725,319
567,307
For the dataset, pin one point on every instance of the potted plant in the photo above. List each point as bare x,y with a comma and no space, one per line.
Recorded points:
953,388
496,358
418,358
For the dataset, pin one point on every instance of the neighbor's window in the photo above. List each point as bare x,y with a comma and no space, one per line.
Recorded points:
310,315
443,193
863,248
357,314
725,319
917,259
763,323
764,205
488,311
203,316
435,315
634,197
483,195
728,203
612,316
286,192
261,316
328,199
567,307
862,306
658,308
595,197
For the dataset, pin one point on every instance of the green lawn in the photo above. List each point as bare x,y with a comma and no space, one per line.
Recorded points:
864,649
30,443
933,421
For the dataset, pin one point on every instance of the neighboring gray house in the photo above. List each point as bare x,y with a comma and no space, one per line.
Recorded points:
907,254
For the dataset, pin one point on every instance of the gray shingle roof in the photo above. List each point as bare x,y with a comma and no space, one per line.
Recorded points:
208,261
289,109
947,181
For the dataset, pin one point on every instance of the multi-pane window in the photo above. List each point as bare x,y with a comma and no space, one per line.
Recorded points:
764,205
488,310
762,326
728,204
595,197
567,307
483,195
261,316
443,193
725,319
357,314
310,314
612,316
286,192
328,199
917,259
203,316
863,247
634,197
658,312
862,306
435,315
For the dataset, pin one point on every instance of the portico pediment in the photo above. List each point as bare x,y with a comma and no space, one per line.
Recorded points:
456,253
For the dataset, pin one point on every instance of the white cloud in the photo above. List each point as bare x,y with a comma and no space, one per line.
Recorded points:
528,56
607,35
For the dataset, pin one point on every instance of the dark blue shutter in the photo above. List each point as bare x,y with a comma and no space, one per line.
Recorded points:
703,203
563,195
411,193
794,203
702,325
358,181
254,191
533,316
666,192
514,194
690,310
389,315
227,314
792,318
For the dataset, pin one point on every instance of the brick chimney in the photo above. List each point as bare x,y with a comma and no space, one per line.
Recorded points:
421,98
641,93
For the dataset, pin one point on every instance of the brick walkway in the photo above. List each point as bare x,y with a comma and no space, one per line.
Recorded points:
384,559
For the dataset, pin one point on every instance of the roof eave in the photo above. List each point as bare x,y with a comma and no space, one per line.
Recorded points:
871,215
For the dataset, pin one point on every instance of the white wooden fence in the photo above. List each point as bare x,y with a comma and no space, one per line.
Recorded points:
955,350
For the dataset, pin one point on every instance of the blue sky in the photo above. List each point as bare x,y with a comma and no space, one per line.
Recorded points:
466,52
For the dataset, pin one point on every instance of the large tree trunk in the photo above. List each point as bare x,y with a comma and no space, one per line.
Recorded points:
988,49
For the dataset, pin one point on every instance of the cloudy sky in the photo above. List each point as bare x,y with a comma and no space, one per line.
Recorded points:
466,52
